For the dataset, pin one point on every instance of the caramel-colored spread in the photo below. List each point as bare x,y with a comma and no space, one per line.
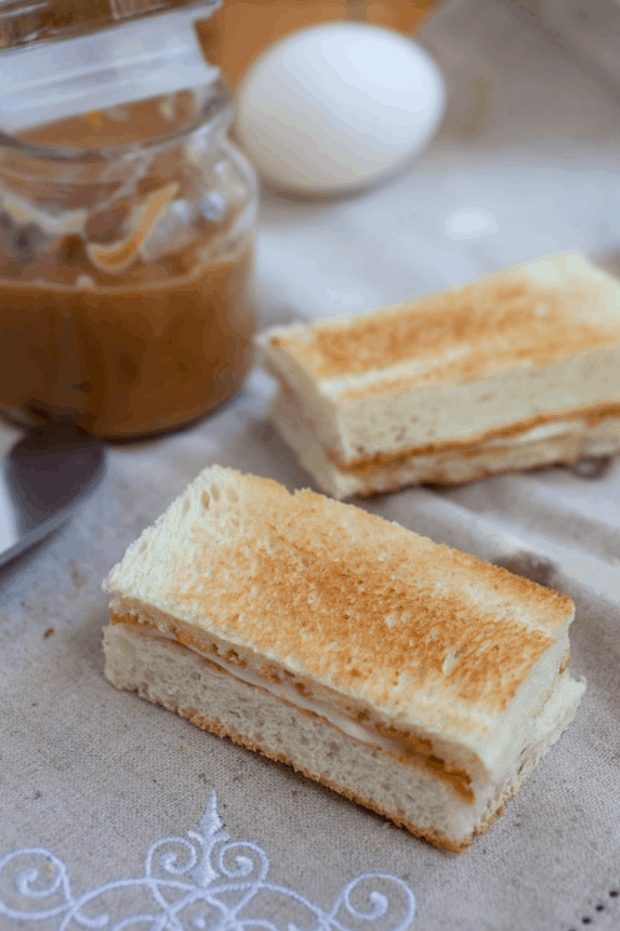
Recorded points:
471,445
127,324
408,748
131,360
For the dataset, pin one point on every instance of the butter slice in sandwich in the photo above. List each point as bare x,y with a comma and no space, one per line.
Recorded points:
517,370
415,679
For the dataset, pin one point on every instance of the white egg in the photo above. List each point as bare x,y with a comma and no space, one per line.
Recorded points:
338,106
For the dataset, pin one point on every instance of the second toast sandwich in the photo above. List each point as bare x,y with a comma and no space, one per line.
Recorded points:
517,370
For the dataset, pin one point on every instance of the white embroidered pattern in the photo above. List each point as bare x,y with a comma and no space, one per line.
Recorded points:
203,882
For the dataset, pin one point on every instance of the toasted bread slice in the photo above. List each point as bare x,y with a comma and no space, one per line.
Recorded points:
415,679
517,370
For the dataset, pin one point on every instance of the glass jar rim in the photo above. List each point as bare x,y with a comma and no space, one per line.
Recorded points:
76,155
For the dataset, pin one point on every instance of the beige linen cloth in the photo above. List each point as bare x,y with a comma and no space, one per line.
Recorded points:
117,814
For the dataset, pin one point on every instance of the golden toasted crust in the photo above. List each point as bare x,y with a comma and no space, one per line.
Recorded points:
499,323
363,604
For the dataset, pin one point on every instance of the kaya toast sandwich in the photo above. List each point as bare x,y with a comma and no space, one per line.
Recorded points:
517,370
410,677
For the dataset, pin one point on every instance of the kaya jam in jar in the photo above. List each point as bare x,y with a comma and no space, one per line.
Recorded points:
126,243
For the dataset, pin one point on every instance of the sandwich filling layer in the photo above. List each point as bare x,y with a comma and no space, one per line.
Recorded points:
602,421
320,743
293,694
570,437
456,764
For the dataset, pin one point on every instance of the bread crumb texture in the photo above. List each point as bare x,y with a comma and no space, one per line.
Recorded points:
498,323
355,601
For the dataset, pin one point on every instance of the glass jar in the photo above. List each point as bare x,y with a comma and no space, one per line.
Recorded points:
126,244
240,29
